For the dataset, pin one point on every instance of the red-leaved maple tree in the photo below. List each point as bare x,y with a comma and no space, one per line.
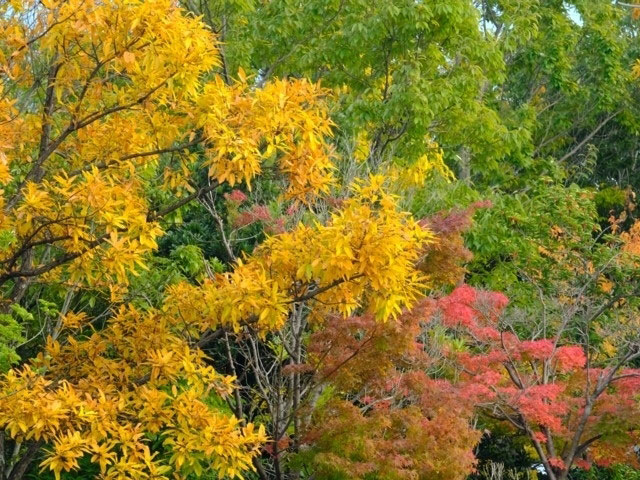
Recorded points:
418,383
575,406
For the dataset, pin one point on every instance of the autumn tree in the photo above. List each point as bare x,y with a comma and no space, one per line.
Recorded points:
381,406
109,112
209,270
576,405
115,119
317,364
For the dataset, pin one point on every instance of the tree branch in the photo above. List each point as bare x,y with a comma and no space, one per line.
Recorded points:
590,136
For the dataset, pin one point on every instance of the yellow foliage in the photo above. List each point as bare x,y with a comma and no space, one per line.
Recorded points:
635,70
128,81
362,146
247,127
126,94
365,256
122,94
416,174
99,396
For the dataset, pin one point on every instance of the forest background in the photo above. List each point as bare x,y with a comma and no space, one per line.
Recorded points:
330,239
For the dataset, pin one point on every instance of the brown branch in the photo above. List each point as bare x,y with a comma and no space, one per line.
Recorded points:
581,449
19,469
208,337
318,291
159,151
36,171
72,127
171,208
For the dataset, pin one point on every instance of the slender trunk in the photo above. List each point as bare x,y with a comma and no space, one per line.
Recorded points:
575,441
21,283
465,165
260,469
541,454
299,325
49,105
276,436
237,408
20,469
2,460
36,174
276,461
298,328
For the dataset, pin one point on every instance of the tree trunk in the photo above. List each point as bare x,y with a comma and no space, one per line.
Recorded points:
2,460
465,165
20,469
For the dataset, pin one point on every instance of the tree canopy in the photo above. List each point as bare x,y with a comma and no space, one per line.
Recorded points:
319,240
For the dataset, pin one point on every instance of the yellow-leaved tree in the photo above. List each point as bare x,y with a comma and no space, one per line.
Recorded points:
113,117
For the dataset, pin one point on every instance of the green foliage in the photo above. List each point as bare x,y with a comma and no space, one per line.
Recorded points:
7,238
401,71
598,473
610,200
501,446
10,337
147,289
189,260
196,228
525,236
87,471
570,63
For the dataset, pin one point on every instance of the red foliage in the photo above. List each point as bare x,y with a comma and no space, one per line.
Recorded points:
275,449
391,419
402,378
583,464
257,213
536,349
539,437
293,208
236,196
570,358
539,383
542,405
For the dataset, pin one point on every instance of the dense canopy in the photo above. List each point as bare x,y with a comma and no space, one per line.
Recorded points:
319,240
